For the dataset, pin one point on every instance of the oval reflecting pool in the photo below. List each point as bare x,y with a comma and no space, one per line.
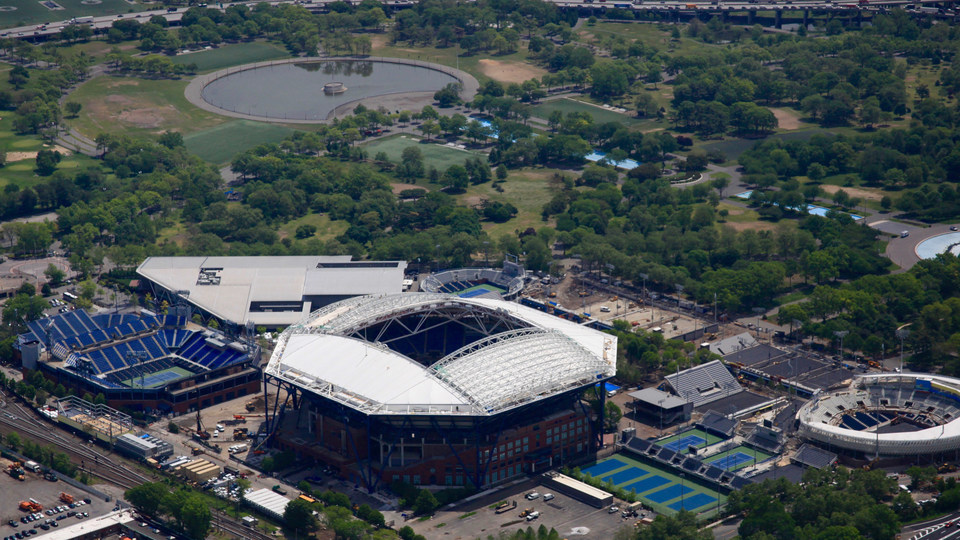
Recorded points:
295,90
942,243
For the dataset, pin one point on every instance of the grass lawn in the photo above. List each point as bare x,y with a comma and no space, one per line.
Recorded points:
33,12
732,147
600,115
435,155
136,107
220,143
20,171
453,57
231,55
326,229
527,189
652,35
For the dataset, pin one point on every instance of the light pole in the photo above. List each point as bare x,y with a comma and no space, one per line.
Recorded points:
902,334
759,311
644,278
679,291
840,334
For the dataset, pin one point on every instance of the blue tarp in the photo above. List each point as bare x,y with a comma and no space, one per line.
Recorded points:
610,387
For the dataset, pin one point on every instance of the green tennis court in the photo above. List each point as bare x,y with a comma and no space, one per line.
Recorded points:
657,486
738,458
692,437
153,380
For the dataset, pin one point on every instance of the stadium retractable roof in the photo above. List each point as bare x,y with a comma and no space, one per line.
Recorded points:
526,355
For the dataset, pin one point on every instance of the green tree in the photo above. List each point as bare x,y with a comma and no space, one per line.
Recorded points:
47,161
298,515
54,274
148,498
426,503
611,417
72,108
195,516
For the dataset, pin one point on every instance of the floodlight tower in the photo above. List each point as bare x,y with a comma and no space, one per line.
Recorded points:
140,357
840,334
902,333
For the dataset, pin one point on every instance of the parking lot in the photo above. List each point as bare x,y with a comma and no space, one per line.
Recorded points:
47,494
477,519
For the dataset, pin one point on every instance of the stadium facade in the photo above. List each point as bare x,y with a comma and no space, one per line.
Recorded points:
887,415
266,291
436,389
159,364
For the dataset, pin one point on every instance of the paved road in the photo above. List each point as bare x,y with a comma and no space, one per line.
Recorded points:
934,529
902,250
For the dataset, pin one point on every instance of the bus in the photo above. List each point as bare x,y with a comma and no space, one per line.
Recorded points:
69,297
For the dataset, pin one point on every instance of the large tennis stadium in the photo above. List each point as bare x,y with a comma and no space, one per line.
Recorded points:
887,415
436,389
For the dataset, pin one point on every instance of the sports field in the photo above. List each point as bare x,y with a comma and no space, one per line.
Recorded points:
33,12
600,115
159,378
436,155
692,437
657,486
221,143
231,55
477,290
738,458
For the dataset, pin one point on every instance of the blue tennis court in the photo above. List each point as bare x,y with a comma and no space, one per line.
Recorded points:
647,484
671,492
478,290
684,442
604,467
156,379
693,502
627,475
732,460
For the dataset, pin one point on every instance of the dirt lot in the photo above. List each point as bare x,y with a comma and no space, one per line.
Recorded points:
788,120
606,307
509,72
854,192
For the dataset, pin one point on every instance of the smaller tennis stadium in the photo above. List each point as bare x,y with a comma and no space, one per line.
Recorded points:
148,362
506,283
658,487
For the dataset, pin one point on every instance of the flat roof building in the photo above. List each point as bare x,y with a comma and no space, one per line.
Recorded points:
268,291
268,502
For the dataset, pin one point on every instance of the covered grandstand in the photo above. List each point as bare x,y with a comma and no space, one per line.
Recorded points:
436,389
160,363
506,283
804,373
887,415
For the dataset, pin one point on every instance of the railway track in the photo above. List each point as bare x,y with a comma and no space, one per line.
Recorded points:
26,422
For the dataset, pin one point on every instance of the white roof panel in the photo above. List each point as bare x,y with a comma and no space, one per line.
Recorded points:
364,370
243,280
534,355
